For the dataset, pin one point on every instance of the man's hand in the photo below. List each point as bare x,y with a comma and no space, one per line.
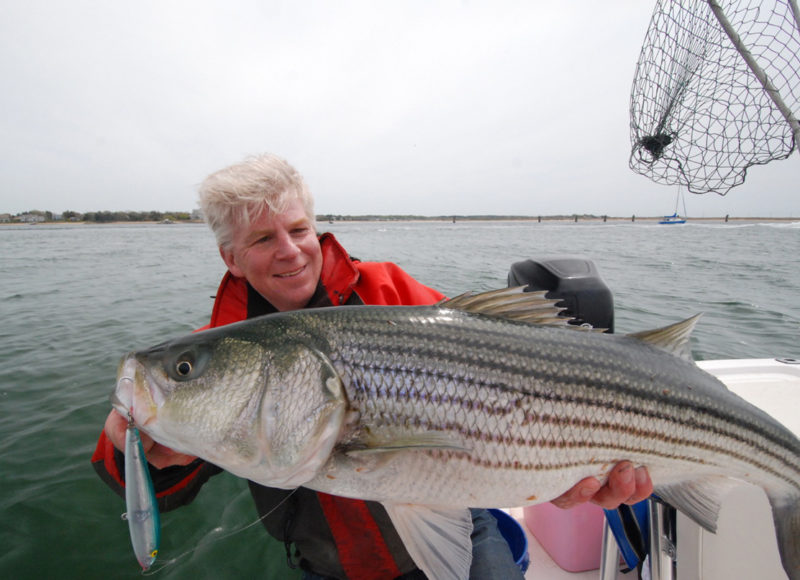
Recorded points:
625,484
157,455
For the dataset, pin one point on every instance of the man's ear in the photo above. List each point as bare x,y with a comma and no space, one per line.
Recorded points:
230,262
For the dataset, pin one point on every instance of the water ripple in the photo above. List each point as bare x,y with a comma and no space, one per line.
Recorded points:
76,298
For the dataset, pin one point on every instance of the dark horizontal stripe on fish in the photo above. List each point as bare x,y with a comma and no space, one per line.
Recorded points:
620,452
440,349
373,340
402,391
469,433
625,383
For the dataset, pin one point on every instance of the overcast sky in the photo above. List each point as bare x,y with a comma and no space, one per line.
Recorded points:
412,107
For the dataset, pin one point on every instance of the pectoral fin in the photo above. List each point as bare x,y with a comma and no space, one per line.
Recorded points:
437,538
369,444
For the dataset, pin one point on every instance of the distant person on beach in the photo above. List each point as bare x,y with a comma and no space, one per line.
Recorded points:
262,215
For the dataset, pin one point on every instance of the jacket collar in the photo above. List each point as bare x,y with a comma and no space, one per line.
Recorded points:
339,273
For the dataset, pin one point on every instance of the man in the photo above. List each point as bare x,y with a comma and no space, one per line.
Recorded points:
262,215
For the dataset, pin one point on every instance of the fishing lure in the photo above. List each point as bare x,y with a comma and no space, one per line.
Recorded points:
140,500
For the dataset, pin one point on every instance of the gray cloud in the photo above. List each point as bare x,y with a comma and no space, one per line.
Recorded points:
404,107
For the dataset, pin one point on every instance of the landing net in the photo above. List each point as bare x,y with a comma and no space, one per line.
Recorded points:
716,91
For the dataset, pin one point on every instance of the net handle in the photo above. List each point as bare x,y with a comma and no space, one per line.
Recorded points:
795,12
757,70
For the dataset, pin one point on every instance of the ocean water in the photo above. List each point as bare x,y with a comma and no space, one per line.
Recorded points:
75,298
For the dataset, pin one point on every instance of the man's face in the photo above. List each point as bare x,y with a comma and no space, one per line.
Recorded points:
279,254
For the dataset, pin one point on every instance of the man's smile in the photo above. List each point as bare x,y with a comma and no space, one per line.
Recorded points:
291,273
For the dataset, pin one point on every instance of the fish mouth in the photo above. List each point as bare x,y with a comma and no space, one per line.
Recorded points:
134,396
122,407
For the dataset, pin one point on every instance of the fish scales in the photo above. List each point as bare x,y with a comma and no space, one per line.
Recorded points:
393,357
409,373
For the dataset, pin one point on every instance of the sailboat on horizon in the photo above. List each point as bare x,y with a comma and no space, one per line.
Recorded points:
676,218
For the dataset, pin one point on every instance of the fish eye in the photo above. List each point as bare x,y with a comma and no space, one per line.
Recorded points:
183,368
185,362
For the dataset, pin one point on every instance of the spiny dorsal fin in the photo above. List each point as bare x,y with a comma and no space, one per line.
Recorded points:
673,338
511,304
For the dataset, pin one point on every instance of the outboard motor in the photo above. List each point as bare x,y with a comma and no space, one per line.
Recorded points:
575,281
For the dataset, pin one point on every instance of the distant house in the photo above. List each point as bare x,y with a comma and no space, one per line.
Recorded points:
30,218
5,218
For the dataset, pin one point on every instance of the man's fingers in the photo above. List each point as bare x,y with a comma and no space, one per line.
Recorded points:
625,484
580,493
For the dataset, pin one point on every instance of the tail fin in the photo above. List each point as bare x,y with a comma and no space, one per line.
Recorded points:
786,514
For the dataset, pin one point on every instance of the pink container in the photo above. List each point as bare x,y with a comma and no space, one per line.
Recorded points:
573,538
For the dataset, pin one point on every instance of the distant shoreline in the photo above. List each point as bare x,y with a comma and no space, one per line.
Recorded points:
559,219
453,219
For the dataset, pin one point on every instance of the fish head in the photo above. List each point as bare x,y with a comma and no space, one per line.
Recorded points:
167,390
264,408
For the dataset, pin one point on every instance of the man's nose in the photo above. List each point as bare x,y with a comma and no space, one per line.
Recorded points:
287,247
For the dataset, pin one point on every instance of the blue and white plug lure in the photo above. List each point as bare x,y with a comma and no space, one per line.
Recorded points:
140,500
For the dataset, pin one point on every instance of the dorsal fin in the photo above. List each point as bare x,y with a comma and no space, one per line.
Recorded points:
512,304
673,338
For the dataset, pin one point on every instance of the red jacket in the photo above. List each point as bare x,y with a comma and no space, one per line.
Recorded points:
367,546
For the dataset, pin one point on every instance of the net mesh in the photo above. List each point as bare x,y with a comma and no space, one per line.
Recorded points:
700,116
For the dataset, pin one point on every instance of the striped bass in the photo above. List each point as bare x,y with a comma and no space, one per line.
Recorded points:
433,409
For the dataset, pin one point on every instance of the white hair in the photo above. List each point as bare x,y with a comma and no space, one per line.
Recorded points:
233,196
